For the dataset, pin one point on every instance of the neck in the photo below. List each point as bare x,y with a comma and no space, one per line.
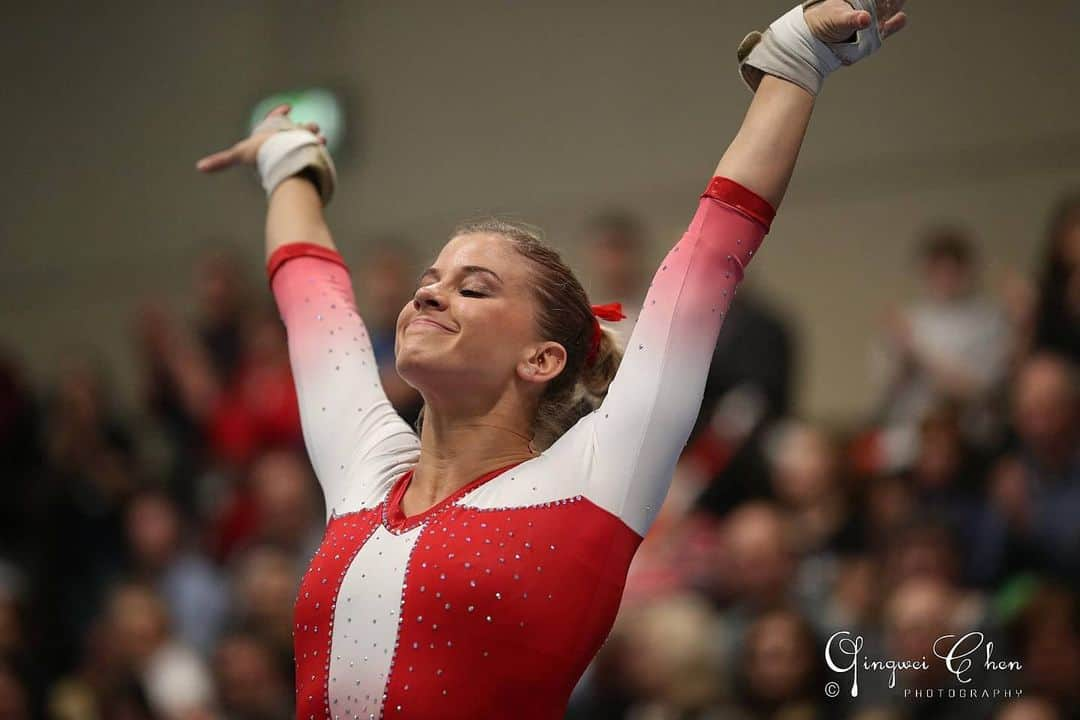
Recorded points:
457,447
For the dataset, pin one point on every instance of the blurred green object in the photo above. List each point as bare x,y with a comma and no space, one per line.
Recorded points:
1014,595
308,105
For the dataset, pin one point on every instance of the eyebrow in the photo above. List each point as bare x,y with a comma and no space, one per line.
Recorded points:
466,269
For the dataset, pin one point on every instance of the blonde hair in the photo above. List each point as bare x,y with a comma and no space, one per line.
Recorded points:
564,316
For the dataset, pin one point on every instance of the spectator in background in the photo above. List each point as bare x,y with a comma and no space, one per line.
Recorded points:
222,298
758,568
954,343
926,550
276,503
749,387
1057,314
1035,488
287,506
185,367
946,480
916,614
755,354
249,681
193,591
21,459
781,670
89,476
257,409
135,668
805,481
672,659
1045,636
388,281
614,243
266,581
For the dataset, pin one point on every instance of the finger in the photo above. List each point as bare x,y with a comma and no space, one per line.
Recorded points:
282,109
322,140
312,126
894,24
859,19
217,161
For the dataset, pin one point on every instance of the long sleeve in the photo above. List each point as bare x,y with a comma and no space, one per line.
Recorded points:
357,442
630,444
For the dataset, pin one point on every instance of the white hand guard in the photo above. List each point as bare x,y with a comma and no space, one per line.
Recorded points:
290,150
789,50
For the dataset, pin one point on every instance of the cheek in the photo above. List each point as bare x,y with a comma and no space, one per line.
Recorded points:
492,335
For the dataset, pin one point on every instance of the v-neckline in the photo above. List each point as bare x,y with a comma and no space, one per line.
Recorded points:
395,518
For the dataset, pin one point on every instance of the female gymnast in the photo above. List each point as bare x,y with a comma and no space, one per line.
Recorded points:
474,571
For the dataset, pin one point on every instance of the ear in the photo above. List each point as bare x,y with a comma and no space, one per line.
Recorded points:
543,363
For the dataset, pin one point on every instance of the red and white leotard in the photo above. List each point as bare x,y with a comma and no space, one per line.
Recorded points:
491,603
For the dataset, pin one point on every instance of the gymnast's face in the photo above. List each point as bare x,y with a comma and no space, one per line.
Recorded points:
470,326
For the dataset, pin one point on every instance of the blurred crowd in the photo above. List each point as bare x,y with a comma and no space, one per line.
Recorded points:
150,555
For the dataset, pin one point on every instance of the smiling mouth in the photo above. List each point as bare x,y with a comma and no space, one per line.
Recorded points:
427,323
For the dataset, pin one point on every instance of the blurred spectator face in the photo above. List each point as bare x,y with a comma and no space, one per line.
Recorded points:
153,530
779,661
918,613
219,286
671,652
940,451
1028,709
922,551
267,588
947,278
804,466
1045,404
762,562
614,248
283,495
249,683
137,622
855,587
387,284
948,264
888,504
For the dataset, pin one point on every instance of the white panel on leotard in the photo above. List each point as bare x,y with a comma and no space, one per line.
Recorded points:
366,624
553,475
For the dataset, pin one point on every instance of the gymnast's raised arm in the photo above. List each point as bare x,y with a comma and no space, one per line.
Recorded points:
356,441
636,435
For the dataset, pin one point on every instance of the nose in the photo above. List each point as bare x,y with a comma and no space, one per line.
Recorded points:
428,295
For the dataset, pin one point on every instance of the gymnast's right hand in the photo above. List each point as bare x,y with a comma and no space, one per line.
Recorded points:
246,151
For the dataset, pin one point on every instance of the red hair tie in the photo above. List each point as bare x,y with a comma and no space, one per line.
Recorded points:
610,311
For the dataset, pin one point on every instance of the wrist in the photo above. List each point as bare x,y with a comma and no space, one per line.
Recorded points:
296,152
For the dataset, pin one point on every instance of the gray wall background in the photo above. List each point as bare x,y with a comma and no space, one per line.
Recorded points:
545,110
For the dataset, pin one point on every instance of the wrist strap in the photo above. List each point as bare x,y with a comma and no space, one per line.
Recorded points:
291,151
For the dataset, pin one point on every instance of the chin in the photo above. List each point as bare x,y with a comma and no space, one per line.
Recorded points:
417,368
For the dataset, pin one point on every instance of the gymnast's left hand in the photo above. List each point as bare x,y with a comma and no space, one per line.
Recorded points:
834,21
245,151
